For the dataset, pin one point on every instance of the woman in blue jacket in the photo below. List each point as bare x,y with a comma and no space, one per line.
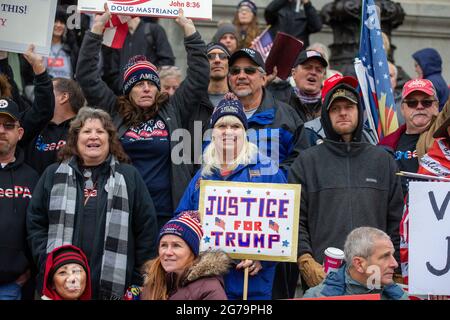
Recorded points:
231,157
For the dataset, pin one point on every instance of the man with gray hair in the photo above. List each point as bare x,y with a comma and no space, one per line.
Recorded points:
368,268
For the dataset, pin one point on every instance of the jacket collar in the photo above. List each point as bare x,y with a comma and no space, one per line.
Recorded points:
340,283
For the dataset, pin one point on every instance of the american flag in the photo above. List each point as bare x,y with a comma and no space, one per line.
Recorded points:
274,226
373,74
263,43
220,223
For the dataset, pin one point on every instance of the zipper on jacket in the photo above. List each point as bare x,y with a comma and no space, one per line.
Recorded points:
348,147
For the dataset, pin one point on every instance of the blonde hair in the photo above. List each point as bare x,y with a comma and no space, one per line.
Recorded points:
211,160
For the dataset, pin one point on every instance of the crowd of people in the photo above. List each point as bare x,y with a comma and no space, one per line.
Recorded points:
100,196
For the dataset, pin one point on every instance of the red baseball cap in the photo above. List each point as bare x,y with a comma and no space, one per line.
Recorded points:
333,81
422,85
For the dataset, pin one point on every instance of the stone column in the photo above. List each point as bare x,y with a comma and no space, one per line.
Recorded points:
344,18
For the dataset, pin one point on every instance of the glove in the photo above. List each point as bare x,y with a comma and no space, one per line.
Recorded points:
312,271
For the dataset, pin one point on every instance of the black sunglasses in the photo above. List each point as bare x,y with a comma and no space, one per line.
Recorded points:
426,103
213,56
248,70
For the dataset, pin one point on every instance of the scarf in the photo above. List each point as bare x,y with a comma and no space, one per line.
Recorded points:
436,162
307,98
63,198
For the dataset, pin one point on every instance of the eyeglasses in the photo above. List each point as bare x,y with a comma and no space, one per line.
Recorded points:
8,126
414,103
234,71
213,56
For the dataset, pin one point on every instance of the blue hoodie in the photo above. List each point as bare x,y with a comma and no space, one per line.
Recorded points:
431,63
259,286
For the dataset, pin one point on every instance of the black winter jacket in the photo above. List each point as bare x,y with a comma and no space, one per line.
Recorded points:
345,185
142,233
281,15
176,112
17,182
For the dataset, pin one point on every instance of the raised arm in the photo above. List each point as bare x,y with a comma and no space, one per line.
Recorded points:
187,97
34,119
95,90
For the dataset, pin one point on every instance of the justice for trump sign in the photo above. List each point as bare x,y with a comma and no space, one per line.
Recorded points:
250,220
200,9
429,238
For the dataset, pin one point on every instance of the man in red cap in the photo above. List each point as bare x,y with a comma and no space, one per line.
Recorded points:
346,183
411,141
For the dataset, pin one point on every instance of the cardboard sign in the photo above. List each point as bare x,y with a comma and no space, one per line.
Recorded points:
283,54
198,9
429,238
25,22
256,221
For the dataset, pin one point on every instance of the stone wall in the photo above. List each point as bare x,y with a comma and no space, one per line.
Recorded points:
427,24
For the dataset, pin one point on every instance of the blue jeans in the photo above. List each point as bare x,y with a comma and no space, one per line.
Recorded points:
10,291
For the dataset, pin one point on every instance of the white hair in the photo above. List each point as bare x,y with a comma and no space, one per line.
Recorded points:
360,242
211,159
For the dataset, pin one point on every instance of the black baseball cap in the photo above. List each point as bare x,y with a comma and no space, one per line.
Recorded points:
310,54
253,55
10,108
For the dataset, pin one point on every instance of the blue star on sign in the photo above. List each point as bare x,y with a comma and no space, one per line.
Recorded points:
285,243
249,191
207,239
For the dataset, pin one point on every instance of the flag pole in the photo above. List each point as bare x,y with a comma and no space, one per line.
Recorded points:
361,75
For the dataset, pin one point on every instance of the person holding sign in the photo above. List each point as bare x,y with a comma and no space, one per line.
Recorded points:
434,163
369,268
146,118
180,272
231,157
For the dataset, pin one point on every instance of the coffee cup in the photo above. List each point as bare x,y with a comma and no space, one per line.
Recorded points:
333,259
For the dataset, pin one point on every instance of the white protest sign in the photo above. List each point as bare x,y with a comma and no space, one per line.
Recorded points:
25,22
199,10
429,238
250,220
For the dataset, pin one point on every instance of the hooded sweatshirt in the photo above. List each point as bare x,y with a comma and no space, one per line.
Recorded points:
345,185
17,182
431,63
48,291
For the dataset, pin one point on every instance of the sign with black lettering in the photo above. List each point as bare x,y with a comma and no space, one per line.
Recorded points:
194,9
250,220
25,22
429,238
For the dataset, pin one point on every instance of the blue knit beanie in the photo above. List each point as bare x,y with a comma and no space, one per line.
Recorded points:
229,108
139,69
187,226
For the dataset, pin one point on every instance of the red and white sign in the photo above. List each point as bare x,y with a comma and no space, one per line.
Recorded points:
195,9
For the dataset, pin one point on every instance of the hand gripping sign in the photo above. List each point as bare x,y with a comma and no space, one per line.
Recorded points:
256,221
195,9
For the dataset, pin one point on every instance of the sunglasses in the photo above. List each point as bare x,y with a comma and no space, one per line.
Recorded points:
213,56
8,126
414,103
234,71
